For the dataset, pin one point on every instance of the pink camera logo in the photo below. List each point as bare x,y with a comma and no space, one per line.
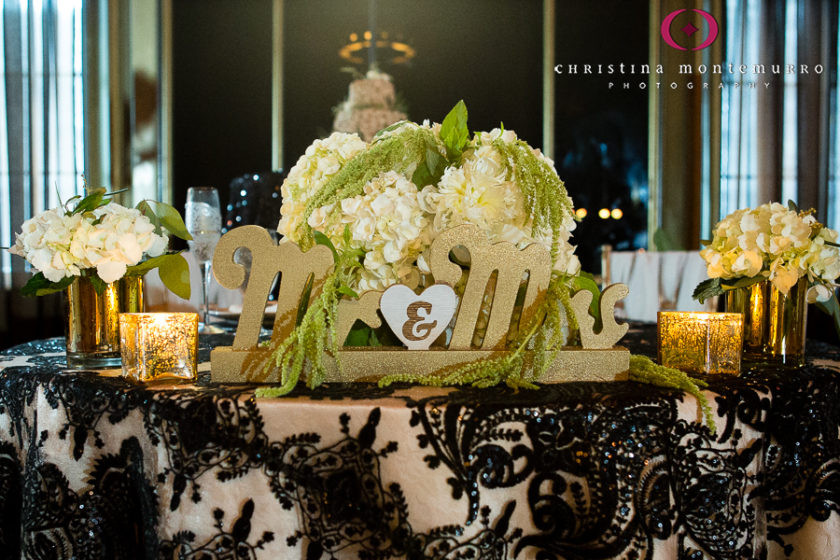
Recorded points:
689,29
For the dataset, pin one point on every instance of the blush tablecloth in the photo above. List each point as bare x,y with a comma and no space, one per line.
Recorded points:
92,466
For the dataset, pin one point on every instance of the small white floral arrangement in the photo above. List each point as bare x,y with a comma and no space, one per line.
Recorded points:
415,181
96,238
771,242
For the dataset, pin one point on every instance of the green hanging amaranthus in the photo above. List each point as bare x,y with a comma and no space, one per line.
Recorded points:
315,337
644,370
418,150
408,148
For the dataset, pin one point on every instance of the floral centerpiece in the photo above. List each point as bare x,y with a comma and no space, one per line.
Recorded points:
395,195
96,238
779,257
98,251
380,205
772,242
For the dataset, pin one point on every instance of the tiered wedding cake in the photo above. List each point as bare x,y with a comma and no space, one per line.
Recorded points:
369,106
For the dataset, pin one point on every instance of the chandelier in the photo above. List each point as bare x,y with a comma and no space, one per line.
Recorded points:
378,46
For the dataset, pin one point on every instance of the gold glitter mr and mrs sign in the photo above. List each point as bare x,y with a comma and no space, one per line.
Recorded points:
419,321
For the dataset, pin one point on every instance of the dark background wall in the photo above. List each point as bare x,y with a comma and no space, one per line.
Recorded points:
493,62
601,131
221,92
487,52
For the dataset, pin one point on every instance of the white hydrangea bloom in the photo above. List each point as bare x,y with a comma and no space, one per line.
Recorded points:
109,239
776,242
387,222
482,192
323,159
394,224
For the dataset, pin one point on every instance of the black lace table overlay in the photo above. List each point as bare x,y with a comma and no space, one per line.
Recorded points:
92,466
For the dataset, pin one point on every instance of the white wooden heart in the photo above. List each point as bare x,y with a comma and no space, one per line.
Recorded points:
418,320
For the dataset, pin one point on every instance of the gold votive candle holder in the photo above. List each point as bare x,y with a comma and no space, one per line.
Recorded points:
700,342
159,345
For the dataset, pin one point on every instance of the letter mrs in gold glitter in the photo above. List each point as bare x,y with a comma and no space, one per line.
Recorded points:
509,263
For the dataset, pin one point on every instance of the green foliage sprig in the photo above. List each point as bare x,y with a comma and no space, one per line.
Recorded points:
407,148
315,337
644,370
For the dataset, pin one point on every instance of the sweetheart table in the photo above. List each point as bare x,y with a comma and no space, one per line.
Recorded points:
92,466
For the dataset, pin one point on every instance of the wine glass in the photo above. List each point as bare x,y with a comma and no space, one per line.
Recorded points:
204,222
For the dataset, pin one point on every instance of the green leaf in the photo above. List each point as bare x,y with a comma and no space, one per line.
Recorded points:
422,177
358,335
99,285
321,239
707,289
431,170
38,285
172,221
143,267
717,286
433,163
166,217
454,131
94,198
173,270
347,291
175,274
146,209
745,282
303,304
91,202
792,206
585,281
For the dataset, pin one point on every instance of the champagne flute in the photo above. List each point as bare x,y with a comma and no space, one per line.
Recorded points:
204,222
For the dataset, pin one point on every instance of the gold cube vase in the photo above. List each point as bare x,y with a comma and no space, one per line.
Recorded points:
92,324
774,323
700,342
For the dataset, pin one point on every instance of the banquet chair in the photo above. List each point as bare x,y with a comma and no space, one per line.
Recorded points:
658,281
254,199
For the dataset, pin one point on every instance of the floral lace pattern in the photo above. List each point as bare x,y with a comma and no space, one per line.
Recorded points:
96,467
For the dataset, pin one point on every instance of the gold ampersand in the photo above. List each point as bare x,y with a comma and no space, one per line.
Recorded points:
414,324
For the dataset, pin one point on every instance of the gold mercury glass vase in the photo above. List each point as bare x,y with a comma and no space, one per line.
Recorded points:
93,320
774,323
